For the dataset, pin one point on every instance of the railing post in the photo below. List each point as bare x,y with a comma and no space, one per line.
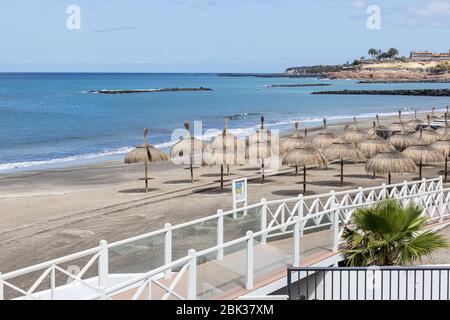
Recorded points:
384,191
192,276
52,283
249,272
423,185
168,249
300,211
1,287
103,265
219,234
335,229
360,196
296,246
263,220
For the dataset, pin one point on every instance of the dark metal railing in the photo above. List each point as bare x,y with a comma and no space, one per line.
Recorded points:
369,283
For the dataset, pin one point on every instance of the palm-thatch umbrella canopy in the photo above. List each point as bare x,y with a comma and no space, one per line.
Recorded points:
261,134
223,151
303,157
422,153
325,138
443,145
402,140
413,123
297,132
399,125
377,127
186,147
145,153
343,151
354,134
374,144
390,162
225,140
288,144
443,131
427,135
261,152
433,116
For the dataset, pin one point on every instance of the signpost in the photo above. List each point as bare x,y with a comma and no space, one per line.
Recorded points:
239,194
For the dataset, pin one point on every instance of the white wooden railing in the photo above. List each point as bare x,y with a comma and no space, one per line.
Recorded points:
177,277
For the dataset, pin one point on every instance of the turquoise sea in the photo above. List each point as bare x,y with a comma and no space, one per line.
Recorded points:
49,119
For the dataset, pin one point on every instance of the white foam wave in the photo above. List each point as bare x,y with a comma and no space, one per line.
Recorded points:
28,164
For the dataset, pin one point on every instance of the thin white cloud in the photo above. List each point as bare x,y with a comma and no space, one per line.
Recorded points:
432,9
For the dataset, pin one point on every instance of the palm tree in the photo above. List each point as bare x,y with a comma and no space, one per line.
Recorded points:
389,234
392,53
373,52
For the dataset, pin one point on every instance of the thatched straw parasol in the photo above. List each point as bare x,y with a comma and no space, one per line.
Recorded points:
343,151
433,116
354,135
289,144
443,145
224,150
297,132
225,140
374,144
145,153
427,135
402,140
261,134
443,131
390,162
414,123
303,157
325,138
423,154
261,153
188,146
377,127
399,125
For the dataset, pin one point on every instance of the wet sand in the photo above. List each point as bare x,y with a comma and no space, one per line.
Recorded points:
50,213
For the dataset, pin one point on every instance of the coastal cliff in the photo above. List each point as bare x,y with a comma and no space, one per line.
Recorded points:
386,71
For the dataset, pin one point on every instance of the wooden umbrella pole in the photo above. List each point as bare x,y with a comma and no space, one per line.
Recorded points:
262,171
191,158
342,173
420,169
146,175
296,170
446,166
221,177
389,178
304,180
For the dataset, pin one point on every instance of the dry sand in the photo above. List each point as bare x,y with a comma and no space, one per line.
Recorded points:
51,213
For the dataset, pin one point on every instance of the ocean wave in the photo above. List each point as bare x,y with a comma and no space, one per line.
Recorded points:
37,163
207,136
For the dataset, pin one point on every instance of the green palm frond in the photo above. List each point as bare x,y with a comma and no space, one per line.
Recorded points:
389,233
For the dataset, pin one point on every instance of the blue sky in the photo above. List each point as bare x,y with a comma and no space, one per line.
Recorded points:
210,35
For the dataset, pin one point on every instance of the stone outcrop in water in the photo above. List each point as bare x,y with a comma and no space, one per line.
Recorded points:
126,91
399,92
299,85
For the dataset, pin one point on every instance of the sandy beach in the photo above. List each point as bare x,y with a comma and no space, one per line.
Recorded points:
50,213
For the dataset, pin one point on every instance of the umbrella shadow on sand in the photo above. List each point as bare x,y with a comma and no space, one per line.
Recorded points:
138,190
361,176
292,193
180,181
332,183
212,191
215,175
